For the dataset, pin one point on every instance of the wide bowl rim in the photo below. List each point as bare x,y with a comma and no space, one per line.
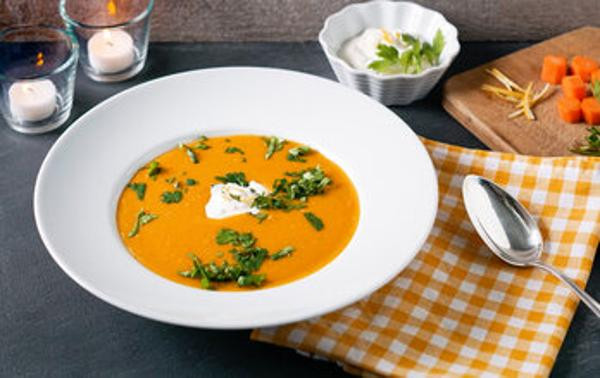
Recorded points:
158,314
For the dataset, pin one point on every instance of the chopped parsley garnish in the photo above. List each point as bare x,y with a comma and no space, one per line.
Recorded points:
306,183
248,260
229,236
201,146
412,59
314,221
283,252
289,194
274,144
142,219
296,153
251,280
233,150
260,216
171,197
592,143
153,170
189,152
139,188
190,182
234,178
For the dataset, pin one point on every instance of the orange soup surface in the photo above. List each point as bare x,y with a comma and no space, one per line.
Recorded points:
172,227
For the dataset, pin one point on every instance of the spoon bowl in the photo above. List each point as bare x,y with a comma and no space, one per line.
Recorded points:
502,222
510,231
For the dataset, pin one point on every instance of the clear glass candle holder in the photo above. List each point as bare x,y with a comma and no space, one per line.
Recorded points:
112,35
37,76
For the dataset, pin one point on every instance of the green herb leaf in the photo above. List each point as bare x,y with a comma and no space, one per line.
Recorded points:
190,182
314,221
260,216
251,280
411,60
596,89
201,146
296,153
139,188
291,194
274,144
283,252
189,152
153,170
591,146
229,236
171,197
142,218
250,258
234,178
233,150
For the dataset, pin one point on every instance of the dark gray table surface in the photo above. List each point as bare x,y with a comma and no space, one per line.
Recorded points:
51,327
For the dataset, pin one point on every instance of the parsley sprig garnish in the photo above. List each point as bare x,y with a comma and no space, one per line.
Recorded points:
274,144
189,152
314,221
139,188
233,150
591,145
142,218
412,59
292,192
154,169
248,261
171,197
238,178
296,153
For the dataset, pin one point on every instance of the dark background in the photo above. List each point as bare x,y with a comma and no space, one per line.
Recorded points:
51,327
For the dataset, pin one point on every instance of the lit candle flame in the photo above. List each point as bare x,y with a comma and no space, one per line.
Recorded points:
111,7
39,59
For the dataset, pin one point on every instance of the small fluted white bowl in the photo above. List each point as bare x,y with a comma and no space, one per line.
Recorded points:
398,89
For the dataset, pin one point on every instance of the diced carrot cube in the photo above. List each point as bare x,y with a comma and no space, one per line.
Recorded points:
591,110
583,67
554,69
569,109
574,87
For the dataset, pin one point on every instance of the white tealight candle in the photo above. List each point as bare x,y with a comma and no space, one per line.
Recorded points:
32,100
111,51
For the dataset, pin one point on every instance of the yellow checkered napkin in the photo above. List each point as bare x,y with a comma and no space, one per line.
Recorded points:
457,309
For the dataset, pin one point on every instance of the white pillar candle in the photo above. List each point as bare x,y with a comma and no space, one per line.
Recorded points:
111,51
33,100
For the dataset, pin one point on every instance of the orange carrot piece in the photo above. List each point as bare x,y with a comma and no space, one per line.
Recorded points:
583,67
595,76
573,87
569,109
554,69
591,110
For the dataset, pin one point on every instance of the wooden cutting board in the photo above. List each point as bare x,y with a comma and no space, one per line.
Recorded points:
485,115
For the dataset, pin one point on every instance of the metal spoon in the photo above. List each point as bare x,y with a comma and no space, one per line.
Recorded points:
509,231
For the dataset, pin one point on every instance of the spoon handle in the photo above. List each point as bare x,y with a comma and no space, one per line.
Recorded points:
585,297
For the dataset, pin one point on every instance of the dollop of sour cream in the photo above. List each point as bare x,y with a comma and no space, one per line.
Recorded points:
361,50
229,199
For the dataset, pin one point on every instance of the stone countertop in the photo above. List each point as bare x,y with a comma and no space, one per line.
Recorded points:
51,327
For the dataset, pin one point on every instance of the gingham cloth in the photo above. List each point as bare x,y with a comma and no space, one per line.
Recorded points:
457,310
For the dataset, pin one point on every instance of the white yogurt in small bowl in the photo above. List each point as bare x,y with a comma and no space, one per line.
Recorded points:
350,38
